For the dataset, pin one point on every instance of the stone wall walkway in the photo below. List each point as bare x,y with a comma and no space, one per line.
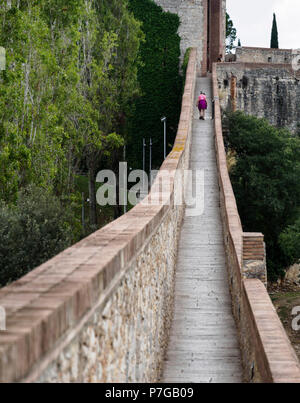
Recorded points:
203,345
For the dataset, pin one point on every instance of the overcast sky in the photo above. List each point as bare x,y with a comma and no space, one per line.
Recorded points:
253,21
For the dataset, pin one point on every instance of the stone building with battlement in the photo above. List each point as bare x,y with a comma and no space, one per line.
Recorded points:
265,55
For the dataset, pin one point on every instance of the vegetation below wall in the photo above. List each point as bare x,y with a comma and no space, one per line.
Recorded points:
83,78
32,231
265,178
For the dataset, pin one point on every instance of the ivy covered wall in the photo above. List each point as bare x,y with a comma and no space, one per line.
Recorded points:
160,82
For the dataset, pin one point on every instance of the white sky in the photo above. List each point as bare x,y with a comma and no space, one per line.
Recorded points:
253,21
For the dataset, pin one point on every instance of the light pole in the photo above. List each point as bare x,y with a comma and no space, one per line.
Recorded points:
125,181
144,162
164,121
150,163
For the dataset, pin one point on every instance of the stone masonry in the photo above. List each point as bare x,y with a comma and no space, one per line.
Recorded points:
125,340
264,55
266,91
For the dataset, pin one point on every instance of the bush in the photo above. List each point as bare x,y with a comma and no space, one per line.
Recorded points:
265,179
32,232
290,243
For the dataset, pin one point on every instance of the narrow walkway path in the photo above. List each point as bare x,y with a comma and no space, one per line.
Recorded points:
203,346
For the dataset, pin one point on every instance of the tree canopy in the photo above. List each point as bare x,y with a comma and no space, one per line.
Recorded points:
266,183
231,34
83,79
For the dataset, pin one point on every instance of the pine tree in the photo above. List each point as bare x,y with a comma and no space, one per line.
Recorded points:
274,37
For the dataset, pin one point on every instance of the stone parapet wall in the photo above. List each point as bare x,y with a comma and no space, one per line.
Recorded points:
270,91
267,353
264,55
101,310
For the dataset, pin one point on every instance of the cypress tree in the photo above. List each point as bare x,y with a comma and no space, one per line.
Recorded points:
274,36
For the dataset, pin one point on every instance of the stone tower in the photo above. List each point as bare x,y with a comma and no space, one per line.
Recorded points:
202,26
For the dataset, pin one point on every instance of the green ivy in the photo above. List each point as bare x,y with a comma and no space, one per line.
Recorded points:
185,63
159,79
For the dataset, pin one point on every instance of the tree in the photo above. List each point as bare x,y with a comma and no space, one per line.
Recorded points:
70,79
231,34
265,179
290,243
109,65
239,43
274,35
65,96
35,229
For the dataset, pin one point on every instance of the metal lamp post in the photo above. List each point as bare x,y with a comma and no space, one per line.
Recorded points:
150,163
164,121
144,161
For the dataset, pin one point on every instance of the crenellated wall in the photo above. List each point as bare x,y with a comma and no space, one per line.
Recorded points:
264,55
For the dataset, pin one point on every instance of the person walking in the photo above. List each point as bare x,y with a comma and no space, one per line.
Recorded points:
202,105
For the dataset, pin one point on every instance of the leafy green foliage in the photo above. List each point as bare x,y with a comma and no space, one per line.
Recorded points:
231,34
265,180
159,79
31,232
70,79
274,35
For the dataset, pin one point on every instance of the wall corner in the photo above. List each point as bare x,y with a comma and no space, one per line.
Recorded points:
254,265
